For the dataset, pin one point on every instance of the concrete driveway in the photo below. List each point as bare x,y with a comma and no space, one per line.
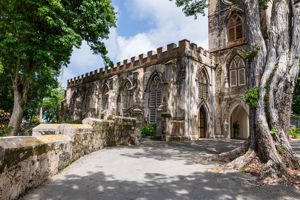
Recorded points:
155,171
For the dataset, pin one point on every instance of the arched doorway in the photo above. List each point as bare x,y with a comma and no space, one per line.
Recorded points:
203,122
239,123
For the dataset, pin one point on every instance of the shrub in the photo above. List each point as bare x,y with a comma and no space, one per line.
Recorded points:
251,97
4,117
294,133
148,130
274,132
4,130
4,120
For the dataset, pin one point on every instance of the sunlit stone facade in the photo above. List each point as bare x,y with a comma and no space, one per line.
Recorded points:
186,91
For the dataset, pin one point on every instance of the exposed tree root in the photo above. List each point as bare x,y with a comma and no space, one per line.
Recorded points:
242,161
233,154
289,157
267,173
284,170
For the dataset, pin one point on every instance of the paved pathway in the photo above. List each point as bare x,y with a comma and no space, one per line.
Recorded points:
155,171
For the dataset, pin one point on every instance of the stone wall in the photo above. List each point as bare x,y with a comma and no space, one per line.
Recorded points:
161,83
26,162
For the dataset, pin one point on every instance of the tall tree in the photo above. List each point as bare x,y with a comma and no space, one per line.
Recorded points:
40,87
274,70
37,38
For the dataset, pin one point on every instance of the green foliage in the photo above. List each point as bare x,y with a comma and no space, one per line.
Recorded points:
41,87
1,68
252,53
52,104
4,120
252,96
6,93
40,34
263,4
148,130
192,8
294,133
274,132
4,117
37,38
34,120
4,130
296,98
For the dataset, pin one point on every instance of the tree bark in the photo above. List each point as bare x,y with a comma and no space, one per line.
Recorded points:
41,114
274,70
20,87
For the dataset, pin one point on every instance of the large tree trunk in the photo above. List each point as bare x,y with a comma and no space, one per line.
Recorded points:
20,87
274,70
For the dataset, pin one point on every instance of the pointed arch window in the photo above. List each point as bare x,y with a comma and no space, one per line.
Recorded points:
237,71
126,96
105,96
203,85
235,28
155,90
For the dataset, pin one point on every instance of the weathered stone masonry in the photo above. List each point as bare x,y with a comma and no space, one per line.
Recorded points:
158,88
26,162
186,91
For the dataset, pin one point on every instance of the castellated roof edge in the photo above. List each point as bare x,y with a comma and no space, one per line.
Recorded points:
150,57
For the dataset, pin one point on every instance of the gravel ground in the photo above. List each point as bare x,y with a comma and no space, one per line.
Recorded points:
155,171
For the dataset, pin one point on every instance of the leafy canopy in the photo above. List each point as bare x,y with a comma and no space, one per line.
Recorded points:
41,86
37,38
52,104
252,96
38,35
194,7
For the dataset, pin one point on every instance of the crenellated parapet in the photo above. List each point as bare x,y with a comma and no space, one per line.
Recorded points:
161,55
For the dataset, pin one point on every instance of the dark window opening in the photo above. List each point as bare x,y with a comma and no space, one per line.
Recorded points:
235,29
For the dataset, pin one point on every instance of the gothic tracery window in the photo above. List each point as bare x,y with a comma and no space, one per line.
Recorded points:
235,28
155,91
105,96
126,96
237,71
203,85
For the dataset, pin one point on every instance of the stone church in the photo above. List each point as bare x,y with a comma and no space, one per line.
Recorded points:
186,91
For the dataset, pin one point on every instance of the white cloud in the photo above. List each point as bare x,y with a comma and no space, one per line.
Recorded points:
169,26
121,48
82,61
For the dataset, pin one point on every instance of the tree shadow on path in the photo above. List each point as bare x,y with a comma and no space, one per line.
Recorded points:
202,186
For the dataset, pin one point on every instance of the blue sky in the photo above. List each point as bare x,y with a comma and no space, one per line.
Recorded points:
142,25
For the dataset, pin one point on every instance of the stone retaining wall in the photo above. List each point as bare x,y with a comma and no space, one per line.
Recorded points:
26,162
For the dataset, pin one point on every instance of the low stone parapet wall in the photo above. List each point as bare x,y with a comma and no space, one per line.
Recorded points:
26,162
